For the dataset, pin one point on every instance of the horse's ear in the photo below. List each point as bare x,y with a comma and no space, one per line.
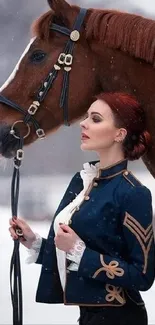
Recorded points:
60,7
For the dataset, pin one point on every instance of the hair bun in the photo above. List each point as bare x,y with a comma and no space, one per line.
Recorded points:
146,137
141,147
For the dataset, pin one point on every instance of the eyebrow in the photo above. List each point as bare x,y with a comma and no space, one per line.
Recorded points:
92,113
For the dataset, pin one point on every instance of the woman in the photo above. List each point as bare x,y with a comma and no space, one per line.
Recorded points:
100,249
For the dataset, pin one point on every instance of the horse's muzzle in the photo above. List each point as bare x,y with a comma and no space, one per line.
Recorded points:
8,143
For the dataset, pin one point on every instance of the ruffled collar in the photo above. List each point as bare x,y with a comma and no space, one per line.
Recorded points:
88,173
93,169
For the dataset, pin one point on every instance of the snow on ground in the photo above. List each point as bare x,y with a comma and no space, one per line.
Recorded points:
35,313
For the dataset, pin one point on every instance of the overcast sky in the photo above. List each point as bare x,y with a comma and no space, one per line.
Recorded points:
147,5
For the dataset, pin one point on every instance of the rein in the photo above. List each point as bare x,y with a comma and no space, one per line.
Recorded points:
64,61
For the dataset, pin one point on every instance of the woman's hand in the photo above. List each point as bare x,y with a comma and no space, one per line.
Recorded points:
65,238
28,235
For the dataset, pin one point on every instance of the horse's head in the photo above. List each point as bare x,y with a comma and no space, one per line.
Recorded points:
47,79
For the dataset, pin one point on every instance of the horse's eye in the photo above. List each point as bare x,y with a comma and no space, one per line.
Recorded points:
37,56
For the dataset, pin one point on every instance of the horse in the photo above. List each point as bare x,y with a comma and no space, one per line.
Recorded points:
109,51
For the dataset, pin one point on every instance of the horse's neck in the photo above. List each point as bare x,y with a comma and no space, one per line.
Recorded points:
112,67
118,71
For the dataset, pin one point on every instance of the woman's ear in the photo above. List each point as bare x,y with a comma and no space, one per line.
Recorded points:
121,134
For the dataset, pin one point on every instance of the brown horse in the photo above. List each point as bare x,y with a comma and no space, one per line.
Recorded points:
115,52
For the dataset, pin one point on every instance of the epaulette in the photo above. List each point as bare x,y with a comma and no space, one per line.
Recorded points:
131,178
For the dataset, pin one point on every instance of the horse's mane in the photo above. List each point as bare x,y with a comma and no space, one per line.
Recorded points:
129,33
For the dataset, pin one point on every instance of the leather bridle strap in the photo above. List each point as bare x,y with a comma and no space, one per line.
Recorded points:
12,104
15,268
65,61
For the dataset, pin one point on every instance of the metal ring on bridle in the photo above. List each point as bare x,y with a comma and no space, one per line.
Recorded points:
12,131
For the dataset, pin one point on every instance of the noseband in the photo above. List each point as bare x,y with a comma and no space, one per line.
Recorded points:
64,61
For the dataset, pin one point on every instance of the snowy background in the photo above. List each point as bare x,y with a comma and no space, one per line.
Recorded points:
48,167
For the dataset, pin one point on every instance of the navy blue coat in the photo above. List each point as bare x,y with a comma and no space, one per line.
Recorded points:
115,222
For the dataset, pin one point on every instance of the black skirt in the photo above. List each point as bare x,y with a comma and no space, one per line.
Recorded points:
129,314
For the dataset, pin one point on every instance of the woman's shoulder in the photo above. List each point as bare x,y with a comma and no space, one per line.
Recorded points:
131,187
130,178
133,183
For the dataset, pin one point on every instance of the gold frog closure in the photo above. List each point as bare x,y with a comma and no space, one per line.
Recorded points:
111,269
115,293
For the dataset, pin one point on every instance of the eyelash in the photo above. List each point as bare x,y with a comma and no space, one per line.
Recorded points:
95,119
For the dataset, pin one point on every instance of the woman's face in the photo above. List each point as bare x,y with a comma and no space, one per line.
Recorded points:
98,128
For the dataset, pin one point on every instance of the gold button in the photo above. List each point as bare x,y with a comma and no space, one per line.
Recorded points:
126,173
77,208
95,184
87,198
69,222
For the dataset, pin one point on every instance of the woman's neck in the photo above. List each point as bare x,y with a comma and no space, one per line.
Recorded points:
110,158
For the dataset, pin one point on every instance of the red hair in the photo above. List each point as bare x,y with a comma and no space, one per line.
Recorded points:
129,114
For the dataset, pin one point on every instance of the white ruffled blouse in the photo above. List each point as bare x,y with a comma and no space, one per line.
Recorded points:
88,173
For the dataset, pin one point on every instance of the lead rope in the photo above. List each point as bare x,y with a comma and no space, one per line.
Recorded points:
15,268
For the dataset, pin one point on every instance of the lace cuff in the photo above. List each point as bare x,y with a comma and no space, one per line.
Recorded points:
34,250
76,252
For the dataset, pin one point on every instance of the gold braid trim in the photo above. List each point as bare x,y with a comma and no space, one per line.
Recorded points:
144,236
115,293
111,269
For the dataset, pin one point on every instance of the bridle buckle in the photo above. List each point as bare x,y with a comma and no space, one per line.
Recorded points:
33,108
61,58
68,59
20,154
40,133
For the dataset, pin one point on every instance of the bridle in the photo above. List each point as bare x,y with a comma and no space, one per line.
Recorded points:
64,61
